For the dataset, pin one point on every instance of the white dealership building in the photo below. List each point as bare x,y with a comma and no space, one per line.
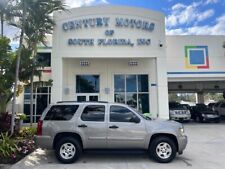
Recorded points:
122,54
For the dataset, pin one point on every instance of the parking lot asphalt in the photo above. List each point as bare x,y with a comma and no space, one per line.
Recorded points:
205,150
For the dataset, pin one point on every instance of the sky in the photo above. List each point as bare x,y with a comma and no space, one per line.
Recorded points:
182,17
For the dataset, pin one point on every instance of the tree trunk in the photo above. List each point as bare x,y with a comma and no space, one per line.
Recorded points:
2,22
31,97
15,83
17,71
32,85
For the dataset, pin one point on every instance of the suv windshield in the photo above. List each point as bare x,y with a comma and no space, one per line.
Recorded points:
177,106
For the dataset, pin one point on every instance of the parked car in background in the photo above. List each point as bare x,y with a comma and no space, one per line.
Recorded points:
219,108
179,112
187,106
202,113
71,127
210,105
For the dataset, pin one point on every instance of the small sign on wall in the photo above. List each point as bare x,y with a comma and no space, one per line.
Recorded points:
196,57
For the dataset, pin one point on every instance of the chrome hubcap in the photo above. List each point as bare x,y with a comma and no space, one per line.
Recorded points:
67,151
164,150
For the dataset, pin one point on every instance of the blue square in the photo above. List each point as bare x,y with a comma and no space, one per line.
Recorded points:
196,57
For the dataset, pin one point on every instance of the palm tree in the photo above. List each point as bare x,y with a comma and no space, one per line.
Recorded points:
36,30
34,22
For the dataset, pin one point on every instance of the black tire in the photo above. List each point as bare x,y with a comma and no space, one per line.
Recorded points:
154,149
217,120
71,142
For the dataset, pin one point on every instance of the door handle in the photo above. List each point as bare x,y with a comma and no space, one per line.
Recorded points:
82,126
113,127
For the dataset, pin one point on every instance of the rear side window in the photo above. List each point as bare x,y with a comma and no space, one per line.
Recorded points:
93,113
61,112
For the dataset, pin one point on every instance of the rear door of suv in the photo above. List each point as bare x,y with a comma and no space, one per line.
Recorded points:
91,124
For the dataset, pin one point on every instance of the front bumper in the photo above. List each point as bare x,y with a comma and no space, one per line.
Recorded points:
211,118
44,142
182,143
180,117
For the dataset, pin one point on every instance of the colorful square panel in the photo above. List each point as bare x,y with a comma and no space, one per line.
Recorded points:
196,57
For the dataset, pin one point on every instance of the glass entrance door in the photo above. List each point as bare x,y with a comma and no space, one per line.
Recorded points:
87,97
87,87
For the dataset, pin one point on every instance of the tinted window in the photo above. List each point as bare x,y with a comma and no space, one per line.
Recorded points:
176,106
119,83
121,114
87,84
61,112
44,59
131,84
143,83
93,113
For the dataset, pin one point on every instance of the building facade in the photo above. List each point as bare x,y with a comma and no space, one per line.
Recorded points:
121,54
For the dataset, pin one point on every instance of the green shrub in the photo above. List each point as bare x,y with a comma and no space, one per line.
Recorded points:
27,132
22,116
8,146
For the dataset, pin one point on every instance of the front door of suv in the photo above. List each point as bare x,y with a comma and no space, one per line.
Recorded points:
92,126
125,128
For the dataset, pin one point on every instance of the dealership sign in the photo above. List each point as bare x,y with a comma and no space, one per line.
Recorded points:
101,22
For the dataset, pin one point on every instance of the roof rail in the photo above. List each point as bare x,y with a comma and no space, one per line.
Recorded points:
82,102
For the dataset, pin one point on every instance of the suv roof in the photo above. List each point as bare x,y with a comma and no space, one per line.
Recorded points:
81,102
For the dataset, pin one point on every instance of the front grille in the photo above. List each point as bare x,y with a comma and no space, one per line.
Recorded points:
180,112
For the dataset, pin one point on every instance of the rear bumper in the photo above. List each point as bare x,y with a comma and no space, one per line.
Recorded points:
182,143
44,142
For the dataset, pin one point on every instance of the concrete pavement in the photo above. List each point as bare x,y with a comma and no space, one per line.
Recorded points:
205,150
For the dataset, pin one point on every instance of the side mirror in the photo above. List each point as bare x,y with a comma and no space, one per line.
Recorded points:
135,119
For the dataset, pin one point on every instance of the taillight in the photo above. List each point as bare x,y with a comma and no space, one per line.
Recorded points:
39,127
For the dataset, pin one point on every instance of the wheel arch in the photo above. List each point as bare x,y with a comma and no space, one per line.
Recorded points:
58,136
169,135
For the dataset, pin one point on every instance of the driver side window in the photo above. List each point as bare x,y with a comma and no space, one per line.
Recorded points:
122,114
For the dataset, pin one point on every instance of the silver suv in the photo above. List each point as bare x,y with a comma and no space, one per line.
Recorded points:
71,127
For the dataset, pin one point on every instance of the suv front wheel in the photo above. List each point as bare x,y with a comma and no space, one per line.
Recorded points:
68,150
163,149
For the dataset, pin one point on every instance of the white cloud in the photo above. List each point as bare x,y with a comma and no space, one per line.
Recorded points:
211,2
217,29
10,31
79,3
187,14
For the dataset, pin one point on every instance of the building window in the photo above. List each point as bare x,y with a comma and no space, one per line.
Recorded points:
44,59
133,91
87,84
41,99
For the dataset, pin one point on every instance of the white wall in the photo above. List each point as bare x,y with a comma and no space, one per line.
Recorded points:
107,68
64,70
176,57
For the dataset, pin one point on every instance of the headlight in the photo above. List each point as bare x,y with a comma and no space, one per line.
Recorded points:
172,112
181,130
204,115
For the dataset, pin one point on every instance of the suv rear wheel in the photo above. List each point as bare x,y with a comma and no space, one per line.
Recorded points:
68,150
163,149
